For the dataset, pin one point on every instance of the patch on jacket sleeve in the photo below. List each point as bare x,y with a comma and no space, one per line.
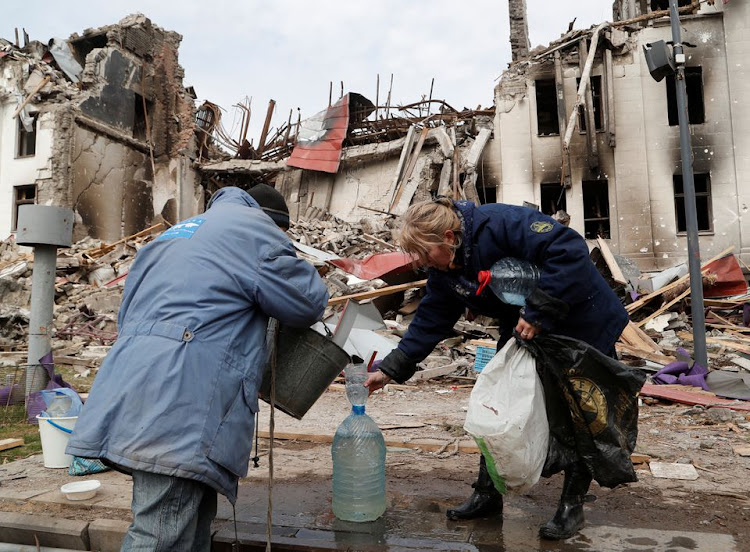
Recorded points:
183,230
541,226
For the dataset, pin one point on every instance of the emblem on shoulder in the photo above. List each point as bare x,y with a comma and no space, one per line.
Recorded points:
541,226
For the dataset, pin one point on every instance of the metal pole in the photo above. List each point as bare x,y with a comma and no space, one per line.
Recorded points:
691,216
45,228
40,318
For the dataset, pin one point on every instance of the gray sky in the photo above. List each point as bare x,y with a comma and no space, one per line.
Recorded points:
290,50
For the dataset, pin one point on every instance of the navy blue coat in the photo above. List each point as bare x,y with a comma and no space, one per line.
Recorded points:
491,232
178,391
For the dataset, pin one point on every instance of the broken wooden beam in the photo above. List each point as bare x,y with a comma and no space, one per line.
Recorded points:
430,373
609,258
37,88
635,305
377,292
6,444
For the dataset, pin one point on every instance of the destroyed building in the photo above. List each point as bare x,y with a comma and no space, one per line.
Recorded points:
615,166
100,123
355,158
619,173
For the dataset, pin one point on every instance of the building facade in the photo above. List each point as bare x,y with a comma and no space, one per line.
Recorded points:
621,177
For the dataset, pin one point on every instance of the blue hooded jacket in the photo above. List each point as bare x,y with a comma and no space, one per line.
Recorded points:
178,391
572,298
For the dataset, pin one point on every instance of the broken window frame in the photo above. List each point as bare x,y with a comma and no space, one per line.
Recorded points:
552,192
596,216
546,127
703,204
595,83
695,97
21,197
26,141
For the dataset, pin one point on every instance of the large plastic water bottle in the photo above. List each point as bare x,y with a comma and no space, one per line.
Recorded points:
358,453
511,279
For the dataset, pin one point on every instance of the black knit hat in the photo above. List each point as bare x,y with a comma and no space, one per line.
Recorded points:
272,203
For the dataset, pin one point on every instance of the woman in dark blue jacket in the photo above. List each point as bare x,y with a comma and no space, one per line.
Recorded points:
456,240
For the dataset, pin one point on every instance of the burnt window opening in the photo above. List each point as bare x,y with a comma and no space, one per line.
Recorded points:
26,140
596,95
658,5
487,194
694,86
546,108
702,184
596,209
83,46
22,195
140,125
552,198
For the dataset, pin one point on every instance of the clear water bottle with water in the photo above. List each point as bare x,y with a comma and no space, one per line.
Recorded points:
358,453
511,279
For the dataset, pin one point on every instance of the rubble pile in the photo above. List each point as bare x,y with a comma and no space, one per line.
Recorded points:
345,239
91,275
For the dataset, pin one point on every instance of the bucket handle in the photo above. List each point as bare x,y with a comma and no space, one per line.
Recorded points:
58,426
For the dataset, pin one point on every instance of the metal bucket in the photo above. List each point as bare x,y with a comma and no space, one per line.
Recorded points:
306,364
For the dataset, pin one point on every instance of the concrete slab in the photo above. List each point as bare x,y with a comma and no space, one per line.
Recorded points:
604,538
13,495
106,535
51,531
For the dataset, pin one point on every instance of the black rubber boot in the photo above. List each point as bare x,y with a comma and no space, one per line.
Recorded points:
568,518
484,501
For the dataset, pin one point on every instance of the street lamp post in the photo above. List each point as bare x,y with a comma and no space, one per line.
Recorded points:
660,64
688,183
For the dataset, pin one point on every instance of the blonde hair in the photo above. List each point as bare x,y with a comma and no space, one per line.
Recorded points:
424,226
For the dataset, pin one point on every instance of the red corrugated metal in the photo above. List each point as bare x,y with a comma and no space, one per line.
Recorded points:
729,278
379,265
703,398
321,138
324,153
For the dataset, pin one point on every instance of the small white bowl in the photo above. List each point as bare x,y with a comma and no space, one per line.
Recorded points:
81,490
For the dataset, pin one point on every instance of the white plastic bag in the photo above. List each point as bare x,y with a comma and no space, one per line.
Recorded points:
508,420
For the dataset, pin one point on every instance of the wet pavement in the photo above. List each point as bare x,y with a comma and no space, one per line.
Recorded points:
302,517
412,522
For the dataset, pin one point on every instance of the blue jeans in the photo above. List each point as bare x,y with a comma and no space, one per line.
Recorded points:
170,514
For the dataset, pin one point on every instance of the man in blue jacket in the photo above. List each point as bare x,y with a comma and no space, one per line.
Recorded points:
175,399
457,240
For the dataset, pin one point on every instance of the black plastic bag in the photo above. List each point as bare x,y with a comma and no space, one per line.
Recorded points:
592,407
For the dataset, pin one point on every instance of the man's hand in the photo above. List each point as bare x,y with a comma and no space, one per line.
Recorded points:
525,329
376,380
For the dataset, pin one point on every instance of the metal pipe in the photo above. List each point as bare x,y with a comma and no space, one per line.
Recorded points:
691,216
40,319
45,228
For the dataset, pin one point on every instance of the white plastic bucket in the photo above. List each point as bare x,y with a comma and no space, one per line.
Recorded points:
55,434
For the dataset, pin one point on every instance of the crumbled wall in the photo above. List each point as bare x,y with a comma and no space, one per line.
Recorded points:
118,172
519,29
111,191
